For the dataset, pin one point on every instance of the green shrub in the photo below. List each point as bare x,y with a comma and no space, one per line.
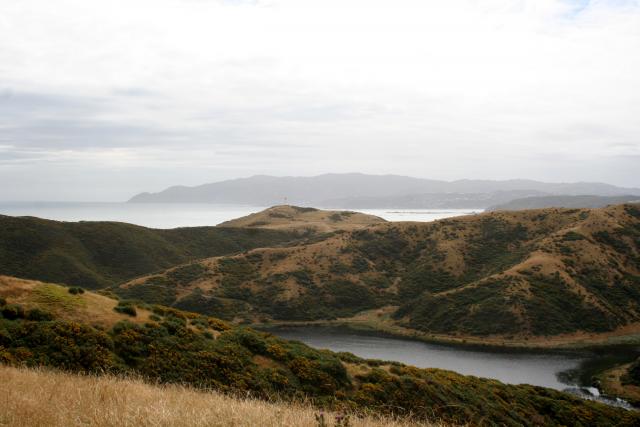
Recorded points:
76,290
3,302
187,273
633,374
156,290
572,236
304,209
13,311
39,315
336,217
200,322
126,308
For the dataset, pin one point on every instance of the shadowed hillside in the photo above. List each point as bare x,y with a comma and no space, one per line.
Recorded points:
48,325
100,254
510,275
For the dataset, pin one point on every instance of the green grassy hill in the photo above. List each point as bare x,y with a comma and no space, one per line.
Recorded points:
505,275
45,324
100,254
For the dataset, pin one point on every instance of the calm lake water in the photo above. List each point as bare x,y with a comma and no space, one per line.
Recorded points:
172,215
559,370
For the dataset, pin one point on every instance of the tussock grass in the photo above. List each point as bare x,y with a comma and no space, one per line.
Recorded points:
37,397
49,294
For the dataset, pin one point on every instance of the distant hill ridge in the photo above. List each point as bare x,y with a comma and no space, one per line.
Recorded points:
356,190
564,202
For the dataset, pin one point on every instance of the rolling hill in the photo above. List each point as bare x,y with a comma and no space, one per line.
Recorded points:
101,254
502,277
44,324
296,218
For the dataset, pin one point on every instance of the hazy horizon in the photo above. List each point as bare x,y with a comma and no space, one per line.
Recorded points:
129,196
103,100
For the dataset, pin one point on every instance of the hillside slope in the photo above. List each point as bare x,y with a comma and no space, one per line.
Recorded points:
509,275
100,254
287,217
170,346
541,202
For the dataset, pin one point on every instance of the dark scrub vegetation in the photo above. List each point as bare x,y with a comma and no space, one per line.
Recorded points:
101,254
180,347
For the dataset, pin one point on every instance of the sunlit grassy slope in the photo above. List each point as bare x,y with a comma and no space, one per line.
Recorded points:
39,398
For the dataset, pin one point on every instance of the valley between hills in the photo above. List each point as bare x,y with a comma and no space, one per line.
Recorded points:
546,277
178,306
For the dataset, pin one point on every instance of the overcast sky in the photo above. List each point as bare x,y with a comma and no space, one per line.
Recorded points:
100,100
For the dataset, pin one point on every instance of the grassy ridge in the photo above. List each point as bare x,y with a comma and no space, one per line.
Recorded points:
286,217
101,254
171,346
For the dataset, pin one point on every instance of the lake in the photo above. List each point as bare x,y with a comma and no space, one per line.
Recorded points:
172,215
560,370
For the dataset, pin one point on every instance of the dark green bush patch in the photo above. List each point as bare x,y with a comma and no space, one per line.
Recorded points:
186,274
39,315
13,311
102,254
127,308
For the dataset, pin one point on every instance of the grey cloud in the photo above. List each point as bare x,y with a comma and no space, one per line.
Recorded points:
25,105
7,157
82,134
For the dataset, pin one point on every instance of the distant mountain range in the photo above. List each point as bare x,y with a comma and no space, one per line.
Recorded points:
356,190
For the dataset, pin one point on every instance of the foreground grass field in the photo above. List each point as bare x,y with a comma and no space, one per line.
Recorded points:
37,397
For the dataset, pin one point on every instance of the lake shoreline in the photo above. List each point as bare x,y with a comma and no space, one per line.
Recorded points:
592,363
394,331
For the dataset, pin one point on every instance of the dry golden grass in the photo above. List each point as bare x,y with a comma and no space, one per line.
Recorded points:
287,217
89,307
35,397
